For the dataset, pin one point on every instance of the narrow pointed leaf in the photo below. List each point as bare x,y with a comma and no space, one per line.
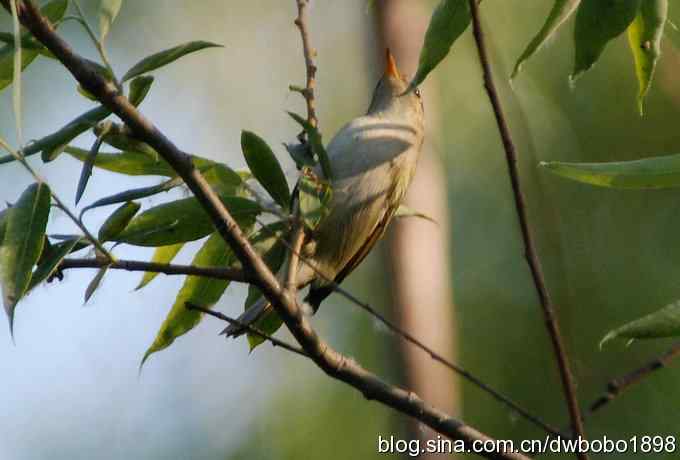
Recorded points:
136,194
265,167
108,10
88,164
224,180
649,173
181,221
162,255
644,38
561,11
448,22
166,57
117,221
405,211
129,163
663,323
50,263
23,244
54,144
316,144
274,257
54,11
95,283
139,89
315,198
597,23
200,291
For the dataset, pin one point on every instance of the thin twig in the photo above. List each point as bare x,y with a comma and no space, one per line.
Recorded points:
617,386
531,254
222,273
251,329
327,359
96,41
309,53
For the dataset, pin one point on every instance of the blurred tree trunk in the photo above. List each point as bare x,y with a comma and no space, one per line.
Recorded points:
418,249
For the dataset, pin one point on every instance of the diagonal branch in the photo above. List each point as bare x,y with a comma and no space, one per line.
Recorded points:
330,361
618,385
531,254
223,273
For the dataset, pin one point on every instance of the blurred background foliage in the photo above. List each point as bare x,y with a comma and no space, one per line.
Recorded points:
70,388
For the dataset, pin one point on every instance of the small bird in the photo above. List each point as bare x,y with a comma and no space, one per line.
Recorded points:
373,159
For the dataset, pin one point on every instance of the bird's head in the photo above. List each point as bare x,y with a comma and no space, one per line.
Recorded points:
390,96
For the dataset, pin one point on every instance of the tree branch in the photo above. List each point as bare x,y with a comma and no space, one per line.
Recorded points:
531,254
309,53
229,274
330,361
617,386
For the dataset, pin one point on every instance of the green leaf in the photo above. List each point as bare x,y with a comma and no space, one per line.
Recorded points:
269,245
663,323
265,167
315,198
95,283
649,173
50,263
129,163
644,38
136,194
405,211
139,89
162,255
108,10
181,221
166,57
88,164
448,22
200,291
316,144
117,221
54,11
561,11
23,244
598,22
52,145
223,179
27,43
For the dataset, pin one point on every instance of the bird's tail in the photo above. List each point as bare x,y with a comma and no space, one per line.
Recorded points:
258,310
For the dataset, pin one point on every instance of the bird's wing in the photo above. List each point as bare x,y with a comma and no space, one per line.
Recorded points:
318,292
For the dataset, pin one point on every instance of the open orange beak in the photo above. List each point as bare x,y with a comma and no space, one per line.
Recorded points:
391,66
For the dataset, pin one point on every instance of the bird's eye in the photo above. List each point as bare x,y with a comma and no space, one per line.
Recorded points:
417,92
